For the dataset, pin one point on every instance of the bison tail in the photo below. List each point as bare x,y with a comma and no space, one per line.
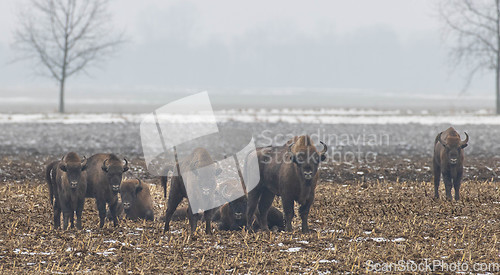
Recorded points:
164,180
49,177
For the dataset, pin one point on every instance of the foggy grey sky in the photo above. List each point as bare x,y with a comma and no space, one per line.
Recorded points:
380,46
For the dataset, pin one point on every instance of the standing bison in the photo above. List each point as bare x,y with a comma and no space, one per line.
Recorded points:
136,200
289,171
198,171
104,176
67,181
449,161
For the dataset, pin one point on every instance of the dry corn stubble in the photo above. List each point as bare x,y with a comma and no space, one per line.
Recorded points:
383,222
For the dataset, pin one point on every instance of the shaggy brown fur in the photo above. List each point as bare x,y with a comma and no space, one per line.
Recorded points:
67,185
289,171
449,161
197,159
104,176
136,200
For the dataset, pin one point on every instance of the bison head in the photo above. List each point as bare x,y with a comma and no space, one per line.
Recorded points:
306,157
232,189
128,192
204,177
452,146
73,167
114,169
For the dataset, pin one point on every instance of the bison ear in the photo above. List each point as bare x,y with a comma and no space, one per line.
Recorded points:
138,188
464,145
63,167
104,166
323,157
218,171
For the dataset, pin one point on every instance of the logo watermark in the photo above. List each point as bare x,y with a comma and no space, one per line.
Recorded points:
183,137
427,265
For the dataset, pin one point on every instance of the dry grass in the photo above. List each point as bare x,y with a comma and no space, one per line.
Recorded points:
384,222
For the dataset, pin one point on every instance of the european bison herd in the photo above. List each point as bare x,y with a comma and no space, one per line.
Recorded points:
290,171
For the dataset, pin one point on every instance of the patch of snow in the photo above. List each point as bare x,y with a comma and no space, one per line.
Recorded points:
292,249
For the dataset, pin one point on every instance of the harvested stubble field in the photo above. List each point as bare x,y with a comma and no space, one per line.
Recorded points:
381,212
381,222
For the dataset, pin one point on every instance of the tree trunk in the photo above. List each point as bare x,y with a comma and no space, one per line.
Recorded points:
61,96
497,86
497,67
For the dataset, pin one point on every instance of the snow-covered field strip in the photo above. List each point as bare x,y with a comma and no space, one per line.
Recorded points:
322,116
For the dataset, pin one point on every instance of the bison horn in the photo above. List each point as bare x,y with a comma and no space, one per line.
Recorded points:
325,148
290,146
105,165
125,168
84,163
466,138
440,140
464,143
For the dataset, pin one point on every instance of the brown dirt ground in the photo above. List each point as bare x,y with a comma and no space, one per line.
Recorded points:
356,217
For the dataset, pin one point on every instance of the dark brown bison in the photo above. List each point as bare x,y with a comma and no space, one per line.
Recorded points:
289,171
104,176
136,199
67,181
449,161
232,216
200,172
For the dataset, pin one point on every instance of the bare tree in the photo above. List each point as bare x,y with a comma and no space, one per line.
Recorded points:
65,37
473,26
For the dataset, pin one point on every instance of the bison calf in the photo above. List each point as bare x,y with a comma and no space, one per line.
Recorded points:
67,181
448,161
104,176
136,200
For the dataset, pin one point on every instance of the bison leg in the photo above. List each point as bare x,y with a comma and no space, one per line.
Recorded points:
193,219
113,208
208,218
266,200
101,207
79,211
437,178
57,215
289,212
253,200
173,202
456,184
447,185
304,214
72,219
66,217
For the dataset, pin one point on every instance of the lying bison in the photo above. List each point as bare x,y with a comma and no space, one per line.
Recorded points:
67,181
289,171
136,200
104,176
201,172
232,215
448,161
